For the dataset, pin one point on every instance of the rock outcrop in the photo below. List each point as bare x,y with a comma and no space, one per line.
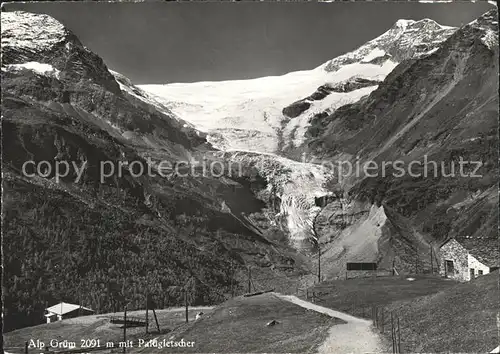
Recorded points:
297,108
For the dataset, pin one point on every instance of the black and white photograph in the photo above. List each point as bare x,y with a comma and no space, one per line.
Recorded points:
250,177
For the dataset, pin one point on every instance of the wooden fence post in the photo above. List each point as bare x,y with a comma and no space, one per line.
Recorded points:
399,338
432,263
232,278
186,304
147,312
125,329
392,334
25,347
156,320
382,322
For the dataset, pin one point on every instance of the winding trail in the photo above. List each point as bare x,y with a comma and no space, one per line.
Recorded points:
356,336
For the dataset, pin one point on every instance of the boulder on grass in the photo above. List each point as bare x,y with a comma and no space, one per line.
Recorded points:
272,323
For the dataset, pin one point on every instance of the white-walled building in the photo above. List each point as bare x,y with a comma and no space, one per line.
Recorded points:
64,310
466,259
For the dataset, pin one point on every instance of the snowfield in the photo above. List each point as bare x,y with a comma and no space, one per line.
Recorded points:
248,113
39,68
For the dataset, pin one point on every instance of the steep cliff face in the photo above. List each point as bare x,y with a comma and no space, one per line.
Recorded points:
430,113
103,238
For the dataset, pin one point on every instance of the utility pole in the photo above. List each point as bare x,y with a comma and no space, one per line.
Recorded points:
232,277
147,311
323,204
186,304
316,235
125,329
249,280
416,262
319,263
432,262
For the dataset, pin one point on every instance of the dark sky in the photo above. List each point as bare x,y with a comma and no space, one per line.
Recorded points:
162,42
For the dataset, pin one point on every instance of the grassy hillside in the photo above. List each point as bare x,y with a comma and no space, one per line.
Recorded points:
96,326
436,314
463,318
356,296
239,325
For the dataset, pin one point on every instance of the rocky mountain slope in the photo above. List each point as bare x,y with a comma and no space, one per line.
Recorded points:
435,110
107,240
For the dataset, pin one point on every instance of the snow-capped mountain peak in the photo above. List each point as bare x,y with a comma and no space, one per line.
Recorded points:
404,40
488,24
404,24
28,31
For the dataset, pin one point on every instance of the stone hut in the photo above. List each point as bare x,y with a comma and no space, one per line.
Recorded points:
465,259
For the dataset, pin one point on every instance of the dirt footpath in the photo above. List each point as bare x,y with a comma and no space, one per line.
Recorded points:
356,336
